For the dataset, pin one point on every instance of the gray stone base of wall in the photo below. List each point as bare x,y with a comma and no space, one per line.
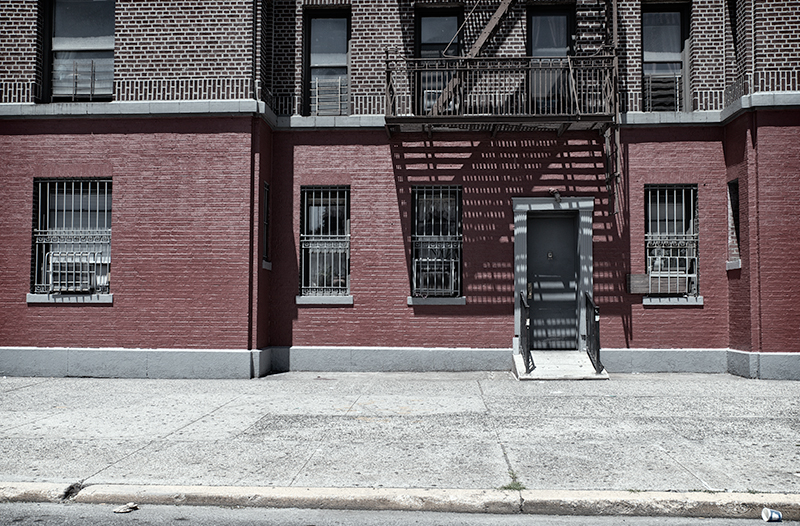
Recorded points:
766,366
242,363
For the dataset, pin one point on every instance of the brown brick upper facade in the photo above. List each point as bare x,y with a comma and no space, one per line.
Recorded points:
244,49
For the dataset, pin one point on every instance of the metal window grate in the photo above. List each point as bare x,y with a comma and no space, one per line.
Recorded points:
325,241
671,239
436,241
71,236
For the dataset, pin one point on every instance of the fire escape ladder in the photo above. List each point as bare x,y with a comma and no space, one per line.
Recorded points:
448,93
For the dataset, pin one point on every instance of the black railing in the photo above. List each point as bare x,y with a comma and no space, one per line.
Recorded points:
593,333
524,333
566,88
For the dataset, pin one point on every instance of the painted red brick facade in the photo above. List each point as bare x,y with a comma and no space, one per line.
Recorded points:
207,116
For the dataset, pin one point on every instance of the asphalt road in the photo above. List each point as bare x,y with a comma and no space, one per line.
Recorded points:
69,514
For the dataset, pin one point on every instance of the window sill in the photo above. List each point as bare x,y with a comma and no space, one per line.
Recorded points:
733,265
323,300
105,299
413,301
677,300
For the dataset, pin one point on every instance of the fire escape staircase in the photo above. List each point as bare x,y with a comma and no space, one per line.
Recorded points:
448,93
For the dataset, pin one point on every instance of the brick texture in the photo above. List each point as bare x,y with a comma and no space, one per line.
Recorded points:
180,240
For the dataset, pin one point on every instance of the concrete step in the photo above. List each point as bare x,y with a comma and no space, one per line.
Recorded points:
558,365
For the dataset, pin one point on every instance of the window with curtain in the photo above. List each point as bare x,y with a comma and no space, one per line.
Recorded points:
549,42
327,63
82,49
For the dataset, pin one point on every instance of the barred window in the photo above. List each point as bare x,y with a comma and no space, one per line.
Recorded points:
71,236
671,239
325,241
436,241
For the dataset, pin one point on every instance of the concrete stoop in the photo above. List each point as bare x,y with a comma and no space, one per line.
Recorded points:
558,365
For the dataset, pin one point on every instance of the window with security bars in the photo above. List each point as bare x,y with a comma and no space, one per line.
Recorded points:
436,241
671,239
71,236
325,241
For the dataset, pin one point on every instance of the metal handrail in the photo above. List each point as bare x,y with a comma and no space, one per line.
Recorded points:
569,87
524,333
593,333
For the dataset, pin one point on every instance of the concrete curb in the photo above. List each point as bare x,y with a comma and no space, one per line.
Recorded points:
540,502
445,500
660,504
35,491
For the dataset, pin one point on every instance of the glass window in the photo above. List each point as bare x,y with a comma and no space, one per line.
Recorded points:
71,236
438,36
550,34
671,239
436,241
327,59
325,241
663,37
83,49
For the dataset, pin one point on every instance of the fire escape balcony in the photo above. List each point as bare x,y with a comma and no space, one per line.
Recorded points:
500,92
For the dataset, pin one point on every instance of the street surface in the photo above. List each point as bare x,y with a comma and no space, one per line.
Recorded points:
24,514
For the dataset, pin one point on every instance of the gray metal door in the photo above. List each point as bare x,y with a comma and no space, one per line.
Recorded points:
553,281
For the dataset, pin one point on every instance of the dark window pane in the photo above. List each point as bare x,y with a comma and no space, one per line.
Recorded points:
328,35
77,18
549,35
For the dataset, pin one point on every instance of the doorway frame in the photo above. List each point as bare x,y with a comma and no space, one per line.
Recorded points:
523,208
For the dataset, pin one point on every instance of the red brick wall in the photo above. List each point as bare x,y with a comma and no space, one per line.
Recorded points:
180,225
776,201
739,156
676,156
380,173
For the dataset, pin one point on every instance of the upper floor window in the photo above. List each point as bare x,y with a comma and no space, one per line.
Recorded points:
71,236
82,49
550,32
436,37
437,33
327,57
664,58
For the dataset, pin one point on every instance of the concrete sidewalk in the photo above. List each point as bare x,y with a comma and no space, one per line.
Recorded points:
674,444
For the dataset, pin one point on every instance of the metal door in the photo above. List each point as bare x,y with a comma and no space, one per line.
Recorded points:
553,281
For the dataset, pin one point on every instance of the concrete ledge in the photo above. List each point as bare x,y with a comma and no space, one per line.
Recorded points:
131,363
34,491
393,359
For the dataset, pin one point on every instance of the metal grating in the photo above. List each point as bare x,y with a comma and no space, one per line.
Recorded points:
71,236
436,241
325,241
671,239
